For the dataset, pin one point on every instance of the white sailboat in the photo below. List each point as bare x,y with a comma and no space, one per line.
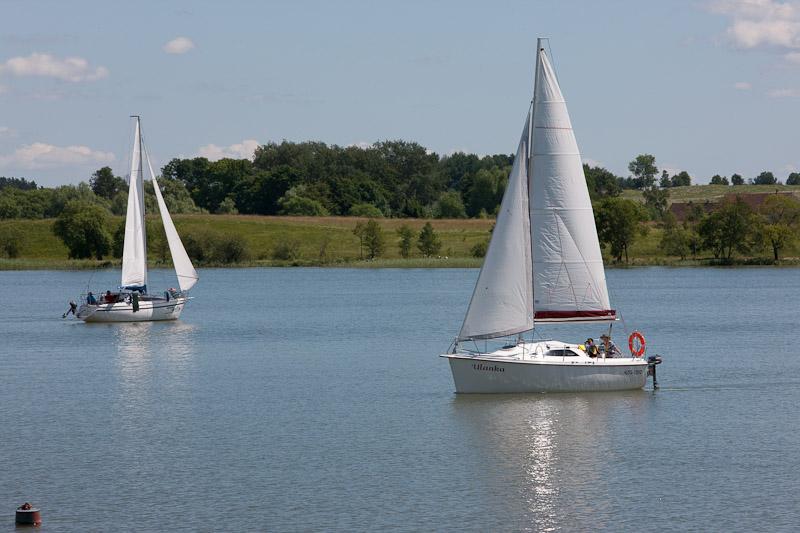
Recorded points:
543,265
132,302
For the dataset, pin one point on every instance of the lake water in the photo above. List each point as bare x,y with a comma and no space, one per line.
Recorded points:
314,400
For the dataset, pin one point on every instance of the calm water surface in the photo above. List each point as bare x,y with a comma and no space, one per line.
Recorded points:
312,399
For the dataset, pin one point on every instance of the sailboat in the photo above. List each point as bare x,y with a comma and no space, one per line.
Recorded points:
543,265
132,302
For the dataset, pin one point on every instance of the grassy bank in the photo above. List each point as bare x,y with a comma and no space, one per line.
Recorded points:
329,241
318,240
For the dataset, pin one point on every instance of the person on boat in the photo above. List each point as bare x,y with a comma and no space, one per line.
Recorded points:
110,298
90,299
590,347
608,347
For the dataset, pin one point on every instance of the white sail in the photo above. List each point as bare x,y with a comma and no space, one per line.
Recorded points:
134,254
187,275
569,281
501,303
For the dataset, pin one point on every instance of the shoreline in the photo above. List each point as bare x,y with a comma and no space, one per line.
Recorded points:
438,262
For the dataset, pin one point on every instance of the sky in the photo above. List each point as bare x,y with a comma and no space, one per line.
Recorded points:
710,87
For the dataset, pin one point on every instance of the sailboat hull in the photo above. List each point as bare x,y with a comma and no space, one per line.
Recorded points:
490,375
149,311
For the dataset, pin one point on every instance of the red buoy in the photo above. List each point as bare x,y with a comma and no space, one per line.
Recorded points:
28,515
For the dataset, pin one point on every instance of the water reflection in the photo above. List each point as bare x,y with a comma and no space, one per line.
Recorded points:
133,349
554,448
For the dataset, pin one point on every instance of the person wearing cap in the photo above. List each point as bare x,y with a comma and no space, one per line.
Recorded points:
608,348
590,347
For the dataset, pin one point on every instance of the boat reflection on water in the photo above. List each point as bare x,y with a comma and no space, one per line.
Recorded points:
145,347
549,457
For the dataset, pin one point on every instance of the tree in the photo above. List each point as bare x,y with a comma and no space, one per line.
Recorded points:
450,205
656,201
665,182
681,179
294,203
373,239
406,235
483,194
428,241
358,231
11,239
644,169
105,184
716,179
780,216
601,182
765,178
365,210
793,179
736,179
82,227
617,221
728,229
675,240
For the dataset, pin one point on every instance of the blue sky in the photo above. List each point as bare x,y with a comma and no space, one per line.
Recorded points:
706,86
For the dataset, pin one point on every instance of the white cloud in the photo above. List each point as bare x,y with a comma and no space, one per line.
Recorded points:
179,45
42,155
592,162
742,85
793,57
5,131
242,150
72,69
784,93
761,23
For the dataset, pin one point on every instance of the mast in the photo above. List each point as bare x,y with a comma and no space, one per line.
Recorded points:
134,255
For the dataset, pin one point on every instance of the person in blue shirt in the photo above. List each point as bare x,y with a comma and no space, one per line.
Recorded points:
90,299
608,347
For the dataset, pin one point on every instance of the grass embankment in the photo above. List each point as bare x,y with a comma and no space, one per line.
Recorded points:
712,193
330,241
320,241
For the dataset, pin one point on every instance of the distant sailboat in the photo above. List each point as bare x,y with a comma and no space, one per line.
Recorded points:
543,265
132,303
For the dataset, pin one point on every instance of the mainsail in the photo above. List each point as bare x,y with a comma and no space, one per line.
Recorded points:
134,254
502,302
187,275
569,281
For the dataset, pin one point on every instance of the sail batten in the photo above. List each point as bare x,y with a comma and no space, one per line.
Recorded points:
134,252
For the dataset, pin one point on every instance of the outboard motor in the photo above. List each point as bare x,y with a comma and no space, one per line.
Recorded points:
652,361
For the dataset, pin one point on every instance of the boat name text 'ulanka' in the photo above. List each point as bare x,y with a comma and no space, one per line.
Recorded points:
493,368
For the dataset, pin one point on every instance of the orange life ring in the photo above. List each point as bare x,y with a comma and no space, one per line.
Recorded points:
640,344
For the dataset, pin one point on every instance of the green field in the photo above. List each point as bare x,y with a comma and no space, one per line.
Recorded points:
320,240
330,241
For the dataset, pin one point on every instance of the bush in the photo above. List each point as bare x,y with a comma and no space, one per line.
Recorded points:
10,241
287,249
229,248
365,210
428,242
82,228
450,205
227,207
479,249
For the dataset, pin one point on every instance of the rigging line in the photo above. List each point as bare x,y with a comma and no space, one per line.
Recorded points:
552,61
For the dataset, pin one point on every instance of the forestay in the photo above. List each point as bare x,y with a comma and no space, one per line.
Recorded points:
568,276
501,303
134,254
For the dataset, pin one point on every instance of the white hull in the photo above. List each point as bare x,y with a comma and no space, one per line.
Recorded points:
525,371
149,310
